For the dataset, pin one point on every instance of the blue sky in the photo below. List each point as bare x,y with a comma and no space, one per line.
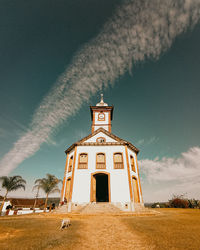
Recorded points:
156,99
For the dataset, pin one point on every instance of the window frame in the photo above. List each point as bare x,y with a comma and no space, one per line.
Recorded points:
100,163
133,168
80,162
101,138
70,167
118,162
104,116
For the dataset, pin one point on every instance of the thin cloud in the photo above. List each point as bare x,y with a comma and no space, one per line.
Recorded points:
148,141
138,30
173,175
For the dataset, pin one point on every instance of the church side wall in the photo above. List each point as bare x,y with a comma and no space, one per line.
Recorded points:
119,185
134,174
67,175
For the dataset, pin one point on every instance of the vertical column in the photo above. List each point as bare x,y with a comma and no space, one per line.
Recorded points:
64,180
73,170
139,179
129,175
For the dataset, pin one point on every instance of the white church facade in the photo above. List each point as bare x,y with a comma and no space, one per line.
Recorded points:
102,167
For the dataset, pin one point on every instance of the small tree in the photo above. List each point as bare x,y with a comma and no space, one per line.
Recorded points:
193,203
48,185
11,184
178,201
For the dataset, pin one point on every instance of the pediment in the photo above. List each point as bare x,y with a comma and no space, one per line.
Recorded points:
110,139
100,135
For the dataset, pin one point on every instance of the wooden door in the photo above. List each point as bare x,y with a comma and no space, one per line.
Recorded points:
93,189
135,191
68,187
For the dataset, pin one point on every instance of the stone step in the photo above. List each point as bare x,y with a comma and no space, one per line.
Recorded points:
139,207
100,207
61,210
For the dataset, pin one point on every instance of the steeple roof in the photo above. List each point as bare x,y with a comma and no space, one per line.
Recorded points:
102,103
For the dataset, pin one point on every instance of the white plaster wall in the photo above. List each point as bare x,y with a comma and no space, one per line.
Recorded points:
119,185
100,134
102,126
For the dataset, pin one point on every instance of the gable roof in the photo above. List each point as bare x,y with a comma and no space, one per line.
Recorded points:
119,141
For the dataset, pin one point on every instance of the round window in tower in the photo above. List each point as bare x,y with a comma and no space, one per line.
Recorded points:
101,140
101,116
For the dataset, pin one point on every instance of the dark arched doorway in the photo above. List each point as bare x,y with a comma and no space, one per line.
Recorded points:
100,187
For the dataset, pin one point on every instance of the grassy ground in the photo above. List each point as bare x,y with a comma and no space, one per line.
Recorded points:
171,229
36,232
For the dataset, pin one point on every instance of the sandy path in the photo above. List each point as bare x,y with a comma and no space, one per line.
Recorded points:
108,232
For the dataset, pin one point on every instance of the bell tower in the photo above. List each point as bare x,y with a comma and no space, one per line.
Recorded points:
101,115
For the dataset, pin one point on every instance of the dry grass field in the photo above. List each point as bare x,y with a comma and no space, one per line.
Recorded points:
171,229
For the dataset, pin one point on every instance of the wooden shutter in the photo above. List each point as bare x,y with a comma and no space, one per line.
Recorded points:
100,161
118,161
132,163
83,161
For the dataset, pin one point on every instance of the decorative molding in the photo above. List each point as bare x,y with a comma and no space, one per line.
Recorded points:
102,124
131,146
101,119
98,139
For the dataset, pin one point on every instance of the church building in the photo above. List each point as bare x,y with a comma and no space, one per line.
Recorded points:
102,167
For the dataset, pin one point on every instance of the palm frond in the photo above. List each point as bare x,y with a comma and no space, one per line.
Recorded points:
17,186
48,184
55,190
13,183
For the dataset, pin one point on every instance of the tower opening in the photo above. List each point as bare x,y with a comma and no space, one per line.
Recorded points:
102,194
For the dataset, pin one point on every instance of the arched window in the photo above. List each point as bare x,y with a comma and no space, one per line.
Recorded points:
100,161
132,163
118,161
83,161
67,191
70,164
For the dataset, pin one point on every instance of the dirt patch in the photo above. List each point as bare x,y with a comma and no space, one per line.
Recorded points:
109,232
8,234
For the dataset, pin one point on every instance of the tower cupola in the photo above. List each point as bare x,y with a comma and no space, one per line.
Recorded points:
101,115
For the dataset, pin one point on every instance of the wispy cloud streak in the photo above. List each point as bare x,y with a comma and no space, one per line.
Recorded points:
139,29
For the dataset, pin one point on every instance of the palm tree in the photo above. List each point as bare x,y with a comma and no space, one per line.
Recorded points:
11,184
48,185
